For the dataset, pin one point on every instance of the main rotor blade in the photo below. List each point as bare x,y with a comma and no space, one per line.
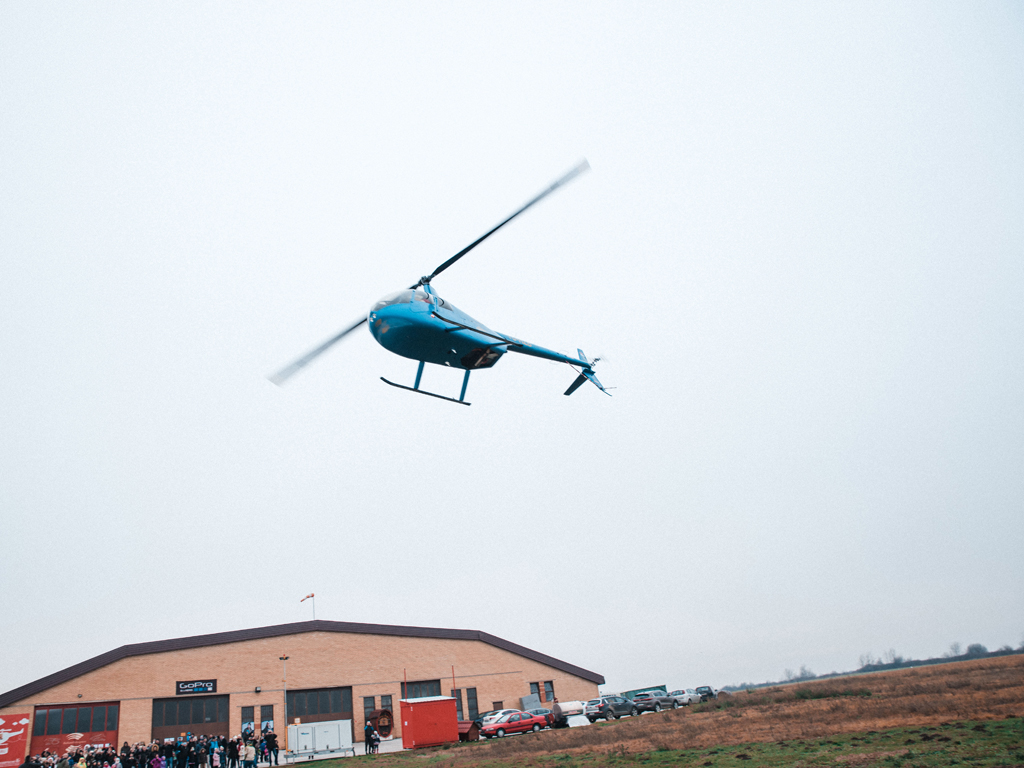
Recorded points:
290,370
561,182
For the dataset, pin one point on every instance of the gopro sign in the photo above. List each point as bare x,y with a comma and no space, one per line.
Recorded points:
195,686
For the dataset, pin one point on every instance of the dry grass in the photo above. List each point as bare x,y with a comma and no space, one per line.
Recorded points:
971,690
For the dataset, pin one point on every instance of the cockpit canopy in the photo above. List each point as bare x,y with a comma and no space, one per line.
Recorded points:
407,297
402,297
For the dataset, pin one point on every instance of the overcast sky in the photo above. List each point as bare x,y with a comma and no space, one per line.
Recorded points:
800,250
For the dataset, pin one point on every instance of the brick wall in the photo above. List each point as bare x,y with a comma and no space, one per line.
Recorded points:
371,664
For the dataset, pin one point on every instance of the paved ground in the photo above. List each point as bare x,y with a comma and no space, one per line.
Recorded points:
386,745
395,745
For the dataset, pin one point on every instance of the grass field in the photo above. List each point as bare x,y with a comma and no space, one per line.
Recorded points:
967,714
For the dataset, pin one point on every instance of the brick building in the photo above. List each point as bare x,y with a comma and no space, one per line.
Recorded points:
223,683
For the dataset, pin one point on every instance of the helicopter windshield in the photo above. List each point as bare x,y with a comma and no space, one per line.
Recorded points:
402,297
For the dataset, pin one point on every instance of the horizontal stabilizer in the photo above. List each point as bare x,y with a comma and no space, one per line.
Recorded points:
576,384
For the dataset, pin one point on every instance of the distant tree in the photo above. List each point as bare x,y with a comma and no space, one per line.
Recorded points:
867,659
891,657
954,650
976,649
790,674
805,673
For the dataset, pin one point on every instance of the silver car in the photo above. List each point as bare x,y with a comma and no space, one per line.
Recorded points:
685,696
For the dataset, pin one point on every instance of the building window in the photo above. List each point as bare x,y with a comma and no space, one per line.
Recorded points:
319,705
266,718
535,690
457,695
421,688
84,720
190,711
385,703
549,690
497,705
90,719
369,704
471,703
248,718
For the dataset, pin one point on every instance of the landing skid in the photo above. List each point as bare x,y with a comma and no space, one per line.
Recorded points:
424,392
416,387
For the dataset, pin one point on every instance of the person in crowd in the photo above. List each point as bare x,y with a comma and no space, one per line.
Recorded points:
233,753
368,738
249,755
272,747
376,741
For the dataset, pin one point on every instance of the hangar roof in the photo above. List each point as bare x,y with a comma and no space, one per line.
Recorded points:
280,630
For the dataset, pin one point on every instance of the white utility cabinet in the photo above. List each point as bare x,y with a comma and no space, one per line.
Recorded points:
317,738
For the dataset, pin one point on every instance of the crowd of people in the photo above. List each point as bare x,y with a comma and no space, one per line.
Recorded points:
247,751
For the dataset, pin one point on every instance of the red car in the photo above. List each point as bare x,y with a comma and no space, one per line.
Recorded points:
517,722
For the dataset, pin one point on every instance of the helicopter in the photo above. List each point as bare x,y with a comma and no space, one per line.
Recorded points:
418,324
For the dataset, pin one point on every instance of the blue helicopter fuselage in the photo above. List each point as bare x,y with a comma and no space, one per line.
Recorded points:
421,325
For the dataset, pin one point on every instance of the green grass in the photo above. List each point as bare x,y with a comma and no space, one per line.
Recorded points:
996,743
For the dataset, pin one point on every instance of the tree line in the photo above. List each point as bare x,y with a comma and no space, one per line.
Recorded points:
889,660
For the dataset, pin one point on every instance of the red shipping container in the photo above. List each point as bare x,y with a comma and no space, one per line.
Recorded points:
429,721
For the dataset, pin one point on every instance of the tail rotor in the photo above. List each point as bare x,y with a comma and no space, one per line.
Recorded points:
587,374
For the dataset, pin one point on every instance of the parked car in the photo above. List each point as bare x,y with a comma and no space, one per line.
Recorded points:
654,701
515,722
486,718
609,707
707,692
479,719
685,696
547,714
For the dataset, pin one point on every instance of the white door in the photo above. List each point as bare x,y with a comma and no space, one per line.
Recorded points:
326,736
303,739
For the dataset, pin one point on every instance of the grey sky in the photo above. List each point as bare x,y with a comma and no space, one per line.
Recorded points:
800,249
